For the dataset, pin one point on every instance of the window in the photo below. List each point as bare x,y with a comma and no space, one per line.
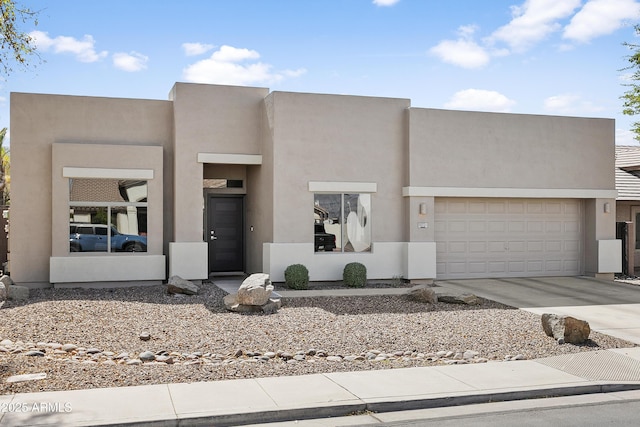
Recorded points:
342,222
107,215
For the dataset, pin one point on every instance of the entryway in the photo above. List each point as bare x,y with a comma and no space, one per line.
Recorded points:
225,232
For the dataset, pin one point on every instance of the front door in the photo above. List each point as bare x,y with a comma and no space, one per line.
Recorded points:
225,234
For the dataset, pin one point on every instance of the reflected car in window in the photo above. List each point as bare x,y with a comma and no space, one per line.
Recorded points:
94,238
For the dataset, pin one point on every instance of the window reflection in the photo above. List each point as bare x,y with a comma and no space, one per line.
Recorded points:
342,222
107,215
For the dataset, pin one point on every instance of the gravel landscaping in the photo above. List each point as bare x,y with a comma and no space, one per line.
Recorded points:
98,338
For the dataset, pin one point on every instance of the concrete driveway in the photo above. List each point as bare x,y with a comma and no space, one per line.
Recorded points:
611,308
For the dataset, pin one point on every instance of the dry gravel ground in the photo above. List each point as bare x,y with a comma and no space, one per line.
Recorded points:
111,322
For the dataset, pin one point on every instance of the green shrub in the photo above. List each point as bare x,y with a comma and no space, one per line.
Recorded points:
354,275
296,276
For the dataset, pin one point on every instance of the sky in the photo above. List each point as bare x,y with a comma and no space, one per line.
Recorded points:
550,57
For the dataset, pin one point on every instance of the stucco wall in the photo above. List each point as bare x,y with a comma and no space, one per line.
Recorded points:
38,121
494,150
209,119
326,138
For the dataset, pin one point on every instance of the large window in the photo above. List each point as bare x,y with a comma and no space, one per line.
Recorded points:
107,215
342,222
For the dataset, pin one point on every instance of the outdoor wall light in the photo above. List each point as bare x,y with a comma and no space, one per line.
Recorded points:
607,207
423,208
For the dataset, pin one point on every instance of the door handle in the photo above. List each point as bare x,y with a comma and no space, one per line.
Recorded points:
213,235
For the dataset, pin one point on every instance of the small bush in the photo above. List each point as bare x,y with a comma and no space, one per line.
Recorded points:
296,276
354,275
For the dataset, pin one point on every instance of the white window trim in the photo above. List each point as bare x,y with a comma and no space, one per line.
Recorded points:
546,193
74,172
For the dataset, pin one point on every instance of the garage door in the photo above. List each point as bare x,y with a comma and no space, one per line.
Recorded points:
507,237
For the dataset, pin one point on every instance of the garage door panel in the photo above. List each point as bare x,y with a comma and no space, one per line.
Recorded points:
517,226
507,237
535,246
535,267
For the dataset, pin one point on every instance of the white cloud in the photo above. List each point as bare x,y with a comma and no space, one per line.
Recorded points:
131,62
570,104
480,100
532,22
193,49
464,52
625,137
385,2
234,66
600,17
84,50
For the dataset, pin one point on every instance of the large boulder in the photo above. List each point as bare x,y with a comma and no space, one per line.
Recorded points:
178,285
254,296
255,290
565,328
423,293
3,292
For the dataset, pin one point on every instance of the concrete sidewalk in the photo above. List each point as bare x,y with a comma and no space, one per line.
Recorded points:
262,400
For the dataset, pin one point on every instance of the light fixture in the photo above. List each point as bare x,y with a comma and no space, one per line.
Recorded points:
607,207
423,208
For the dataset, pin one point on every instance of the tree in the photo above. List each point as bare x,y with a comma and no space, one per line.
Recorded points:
16,46
5,170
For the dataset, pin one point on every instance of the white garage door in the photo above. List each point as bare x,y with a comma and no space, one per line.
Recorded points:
507,237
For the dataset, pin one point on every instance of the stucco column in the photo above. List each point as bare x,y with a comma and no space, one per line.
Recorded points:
602,251
188,253
420,258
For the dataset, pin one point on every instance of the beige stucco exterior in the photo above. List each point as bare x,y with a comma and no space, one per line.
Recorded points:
285,147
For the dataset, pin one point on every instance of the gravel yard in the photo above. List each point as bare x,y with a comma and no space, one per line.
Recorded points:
195,339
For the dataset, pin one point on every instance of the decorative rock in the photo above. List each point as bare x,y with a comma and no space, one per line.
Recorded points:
565,328
145,336
254,295
454,298
255,290
272,306
34,353
69,347
7,280
6,343
3,292
134,362
334,359
18,293
423,293
231,304
92,351
26,377
470,354
178,285
166,359
147,356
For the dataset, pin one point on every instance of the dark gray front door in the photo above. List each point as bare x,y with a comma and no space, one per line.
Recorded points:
225,234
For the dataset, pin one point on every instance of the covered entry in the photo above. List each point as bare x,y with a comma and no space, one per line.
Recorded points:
486,237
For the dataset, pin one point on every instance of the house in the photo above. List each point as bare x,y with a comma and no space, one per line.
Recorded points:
223,179
628,204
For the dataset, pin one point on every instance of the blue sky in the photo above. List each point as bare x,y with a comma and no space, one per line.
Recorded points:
558,57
